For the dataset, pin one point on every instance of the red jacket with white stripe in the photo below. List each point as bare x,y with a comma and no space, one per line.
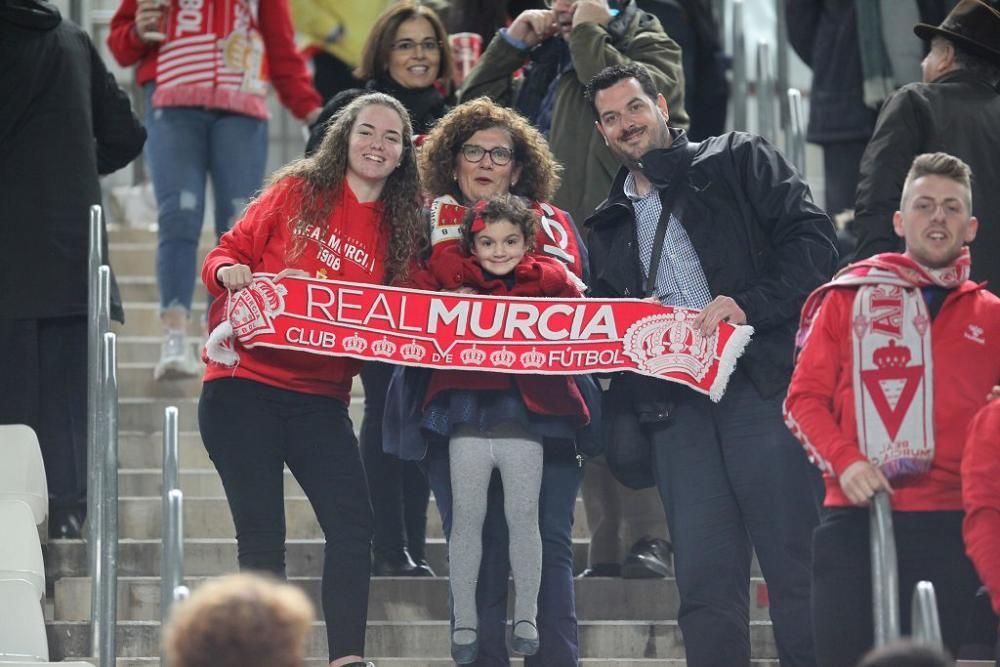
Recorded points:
981,494
284,66
819,408
351,248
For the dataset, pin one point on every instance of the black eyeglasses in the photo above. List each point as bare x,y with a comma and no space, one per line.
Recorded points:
408,45
500,155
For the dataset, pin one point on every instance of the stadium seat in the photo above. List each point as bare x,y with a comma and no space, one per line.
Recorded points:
22,473
22,632
20,549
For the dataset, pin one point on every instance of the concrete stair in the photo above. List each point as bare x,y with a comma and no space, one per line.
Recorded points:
622,623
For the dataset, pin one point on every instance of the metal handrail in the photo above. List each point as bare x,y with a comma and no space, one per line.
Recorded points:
885,574
95,331
96,486
765,92
924,615
172,561
739,69
108,583
795,134
781,59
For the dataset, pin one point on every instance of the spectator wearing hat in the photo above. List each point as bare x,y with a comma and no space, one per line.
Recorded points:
956,109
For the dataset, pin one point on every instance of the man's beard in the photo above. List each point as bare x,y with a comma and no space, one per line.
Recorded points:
659,139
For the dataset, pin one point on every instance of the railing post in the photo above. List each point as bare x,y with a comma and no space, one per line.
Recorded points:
109,515
781,60
97,482
885,574
765,92
95,332
739,69
795,135
925,622
170,470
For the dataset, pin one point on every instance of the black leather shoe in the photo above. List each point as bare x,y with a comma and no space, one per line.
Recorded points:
65,525
649,558
601,570
399,566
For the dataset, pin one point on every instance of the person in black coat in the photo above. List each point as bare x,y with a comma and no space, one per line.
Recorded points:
63,122
406,56
745,244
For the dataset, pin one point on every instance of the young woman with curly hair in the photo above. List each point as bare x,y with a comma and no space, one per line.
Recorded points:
358,192
481,150
405,55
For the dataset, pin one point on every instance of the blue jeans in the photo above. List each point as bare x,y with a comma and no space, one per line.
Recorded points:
185,145
557,627
732,479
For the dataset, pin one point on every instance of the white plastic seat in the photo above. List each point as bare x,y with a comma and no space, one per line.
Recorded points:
22,632
20,549
22,472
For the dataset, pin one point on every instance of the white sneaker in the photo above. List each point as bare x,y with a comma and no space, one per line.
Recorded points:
177,358
133,205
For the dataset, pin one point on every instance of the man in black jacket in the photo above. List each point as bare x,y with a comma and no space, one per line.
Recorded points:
745,244
955,110
63,121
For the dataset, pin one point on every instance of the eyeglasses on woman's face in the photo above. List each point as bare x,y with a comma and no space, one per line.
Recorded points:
500,155
410,46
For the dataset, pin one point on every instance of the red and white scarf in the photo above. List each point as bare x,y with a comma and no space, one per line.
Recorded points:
474,332
892,365
213,57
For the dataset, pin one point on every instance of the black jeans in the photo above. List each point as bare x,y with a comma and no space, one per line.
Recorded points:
43,384
928,547
250,431
732,479
557,624
399,489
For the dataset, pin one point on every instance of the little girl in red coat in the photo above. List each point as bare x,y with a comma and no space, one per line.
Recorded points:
493,420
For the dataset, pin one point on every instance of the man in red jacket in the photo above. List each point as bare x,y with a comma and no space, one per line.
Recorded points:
895,360
981,497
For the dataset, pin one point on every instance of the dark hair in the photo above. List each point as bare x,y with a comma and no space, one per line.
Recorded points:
539,170
323,173
609,76
494,209
375,54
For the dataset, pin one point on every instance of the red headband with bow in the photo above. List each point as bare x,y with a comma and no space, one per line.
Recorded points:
478,224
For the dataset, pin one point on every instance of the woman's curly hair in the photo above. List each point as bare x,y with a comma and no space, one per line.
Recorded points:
539,177
323,173
497,208
242,620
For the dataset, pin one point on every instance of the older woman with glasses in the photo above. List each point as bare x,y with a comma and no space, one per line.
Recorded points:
477,151
406,56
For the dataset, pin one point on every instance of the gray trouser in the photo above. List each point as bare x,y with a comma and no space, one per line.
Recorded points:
473,456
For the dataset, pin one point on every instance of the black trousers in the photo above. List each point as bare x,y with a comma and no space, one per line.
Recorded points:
733,480
928,547
399,489
250,431
43,384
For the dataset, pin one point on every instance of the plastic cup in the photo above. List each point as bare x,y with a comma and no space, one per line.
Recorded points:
466,47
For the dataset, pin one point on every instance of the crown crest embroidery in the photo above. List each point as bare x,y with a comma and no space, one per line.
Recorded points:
384,347
669,343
